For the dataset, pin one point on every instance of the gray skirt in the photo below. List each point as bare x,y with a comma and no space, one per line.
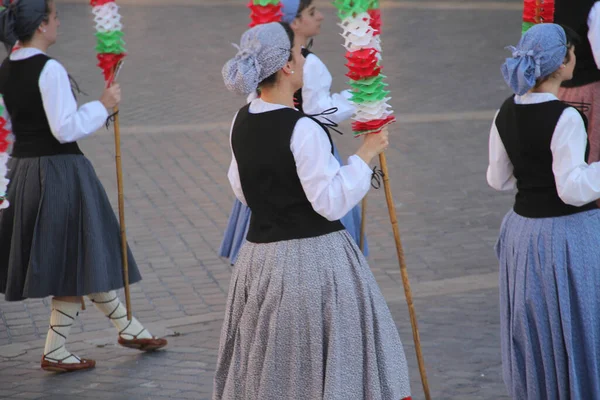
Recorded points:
305,319
550,306
60,235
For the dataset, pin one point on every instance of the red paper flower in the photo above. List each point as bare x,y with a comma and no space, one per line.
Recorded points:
362,64
4,143
374,126
95,3
375,22
357,73
107,63
534,13
264,14
362,56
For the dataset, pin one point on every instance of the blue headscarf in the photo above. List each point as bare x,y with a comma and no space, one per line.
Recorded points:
290,10
540,52
20,19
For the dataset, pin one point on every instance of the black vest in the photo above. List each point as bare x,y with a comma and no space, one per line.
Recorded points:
19,86
574,14
280,209
526,131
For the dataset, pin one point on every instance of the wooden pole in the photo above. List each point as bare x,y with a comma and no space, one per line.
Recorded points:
363,212
122,211
404,274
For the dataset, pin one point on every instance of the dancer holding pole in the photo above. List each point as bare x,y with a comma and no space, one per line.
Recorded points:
305,318
314,98
60,236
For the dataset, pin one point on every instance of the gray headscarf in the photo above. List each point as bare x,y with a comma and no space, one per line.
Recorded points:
263,50
20,19
540,52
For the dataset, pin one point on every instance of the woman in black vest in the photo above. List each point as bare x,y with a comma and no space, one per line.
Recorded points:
305,318
583,91
549,244
313,98
59,236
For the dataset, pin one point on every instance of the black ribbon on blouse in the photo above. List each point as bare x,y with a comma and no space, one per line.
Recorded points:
328,123
377,177
111,119
580,105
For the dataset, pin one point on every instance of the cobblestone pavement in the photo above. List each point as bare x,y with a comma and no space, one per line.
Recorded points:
442,60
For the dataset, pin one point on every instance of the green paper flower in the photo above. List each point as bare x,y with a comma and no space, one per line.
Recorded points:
265,2
348,8
375,85
110,42
526,26
361,97
374,5
368,81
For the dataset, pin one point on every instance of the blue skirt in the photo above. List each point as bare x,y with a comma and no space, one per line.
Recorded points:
239,220
60,236
550,306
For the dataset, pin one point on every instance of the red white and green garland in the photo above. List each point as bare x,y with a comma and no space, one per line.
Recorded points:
110,45
264,11
537,12
6,141
361,22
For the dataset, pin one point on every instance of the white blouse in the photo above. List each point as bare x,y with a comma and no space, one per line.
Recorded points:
577,182
332,190
316,93
594,32
67,122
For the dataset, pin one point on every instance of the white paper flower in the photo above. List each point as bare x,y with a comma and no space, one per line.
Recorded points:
107,17
366,112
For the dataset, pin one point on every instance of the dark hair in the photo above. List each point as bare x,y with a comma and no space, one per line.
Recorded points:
573,40
304,4
26,38
270,80
19,20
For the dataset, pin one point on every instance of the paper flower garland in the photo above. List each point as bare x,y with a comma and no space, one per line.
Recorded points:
264,11
361,22
6,141
109,35
537,12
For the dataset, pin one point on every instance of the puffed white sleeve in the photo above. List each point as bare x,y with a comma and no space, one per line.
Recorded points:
594,32
577,182
67,122
332,189
316,92
500,169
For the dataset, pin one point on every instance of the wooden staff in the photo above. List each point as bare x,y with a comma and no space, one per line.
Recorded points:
363,212
121,201
404,273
